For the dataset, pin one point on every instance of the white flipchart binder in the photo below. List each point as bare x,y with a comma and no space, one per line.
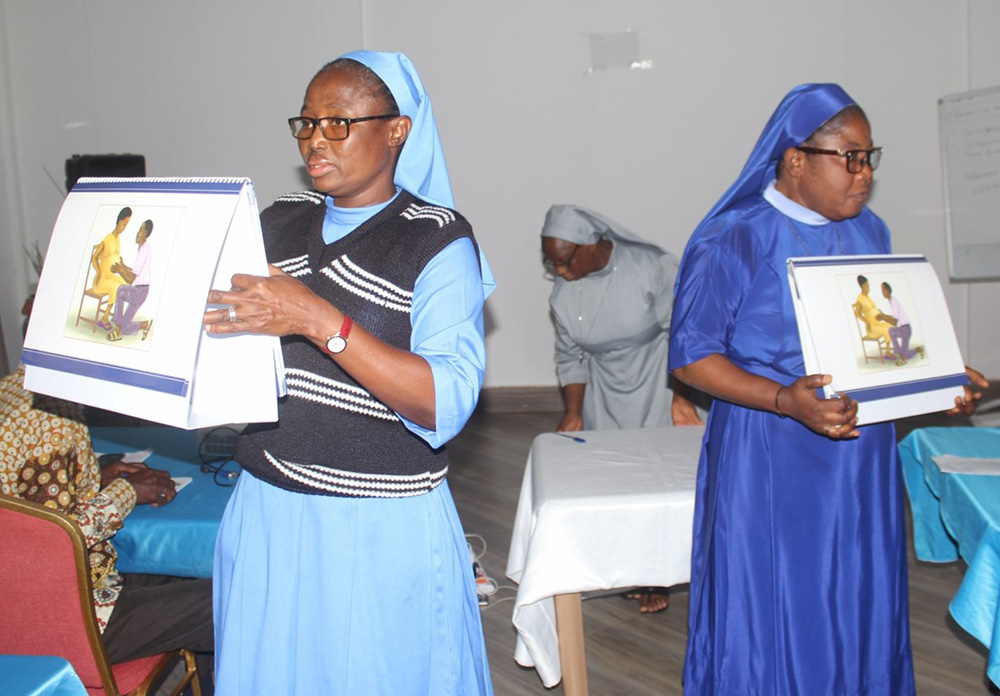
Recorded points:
204,230
836,341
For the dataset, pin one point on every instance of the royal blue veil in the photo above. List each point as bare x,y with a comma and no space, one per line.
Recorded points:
421,168
800,113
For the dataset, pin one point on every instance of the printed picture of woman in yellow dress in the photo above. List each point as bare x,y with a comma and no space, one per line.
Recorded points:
875,328
105,255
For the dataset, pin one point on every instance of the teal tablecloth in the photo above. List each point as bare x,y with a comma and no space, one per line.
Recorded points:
178,538
38,675
958,515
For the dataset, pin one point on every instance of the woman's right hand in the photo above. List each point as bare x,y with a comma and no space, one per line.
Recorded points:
835,418
153,487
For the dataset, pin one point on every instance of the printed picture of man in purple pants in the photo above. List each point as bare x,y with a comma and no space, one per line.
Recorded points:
131,295
901,331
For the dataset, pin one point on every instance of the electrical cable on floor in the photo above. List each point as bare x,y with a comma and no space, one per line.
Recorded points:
486,586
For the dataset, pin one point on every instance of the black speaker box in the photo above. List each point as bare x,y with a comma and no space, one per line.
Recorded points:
103,165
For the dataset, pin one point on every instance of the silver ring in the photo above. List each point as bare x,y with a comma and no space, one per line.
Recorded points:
163,495
826,429
232,314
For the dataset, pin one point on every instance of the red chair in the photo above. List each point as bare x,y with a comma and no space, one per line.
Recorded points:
46,604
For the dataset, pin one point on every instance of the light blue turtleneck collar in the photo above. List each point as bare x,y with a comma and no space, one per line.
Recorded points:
340,222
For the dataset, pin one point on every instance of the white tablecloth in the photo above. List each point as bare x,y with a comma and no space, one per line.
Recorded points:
615,511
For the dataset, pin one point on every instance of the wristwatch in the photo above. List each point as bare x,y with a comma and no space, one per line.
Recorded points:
338,342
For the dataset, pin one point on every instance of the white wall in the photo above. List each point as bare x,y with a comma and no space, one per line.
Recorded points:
204,88
12,270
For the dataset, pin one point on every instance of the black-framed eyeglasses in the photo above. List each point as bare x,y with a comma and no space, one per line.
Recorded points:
332,127
552,267
856,159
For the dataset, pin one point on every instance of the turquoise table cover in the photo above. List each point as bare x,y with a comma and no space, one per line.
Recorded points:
958,515
38,675
178,538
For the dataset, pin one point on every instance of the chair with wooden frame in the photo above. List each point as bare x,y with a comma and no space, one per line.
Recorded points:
102,300
865,339
46,604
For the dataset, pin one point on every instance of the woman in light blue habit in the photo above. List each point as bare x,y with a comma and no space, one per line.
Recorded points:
341,565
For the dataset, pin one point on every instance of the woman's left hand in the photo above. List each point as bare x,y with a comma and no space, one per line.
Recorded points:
277,305
967,404
683,411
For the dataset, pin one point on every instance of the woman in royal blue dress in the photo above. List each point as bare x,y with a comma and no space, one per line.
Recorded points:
798,577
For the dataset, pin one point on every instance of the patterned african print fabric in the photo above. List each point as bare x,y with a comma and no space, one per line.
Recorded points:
46,458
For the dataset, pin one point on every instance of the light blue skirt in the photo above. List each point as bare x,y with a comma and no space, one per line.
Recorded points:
323,595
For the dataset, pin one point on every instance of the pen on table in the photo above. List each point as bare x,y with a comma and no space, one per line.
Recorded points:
574,438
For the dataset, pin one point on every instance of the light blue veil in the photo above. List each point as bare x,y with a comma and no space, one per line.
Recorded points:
421,168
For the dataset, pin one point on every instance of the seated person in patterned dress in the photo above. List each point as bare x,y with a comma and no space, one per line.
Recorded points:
46,457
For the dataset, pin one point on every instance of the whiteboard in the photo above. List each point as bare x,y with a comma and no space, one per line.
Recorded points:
970,158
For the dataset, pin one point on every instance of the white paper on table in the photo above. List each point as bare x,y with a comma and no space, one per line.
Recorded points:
140,456
950,464
137,457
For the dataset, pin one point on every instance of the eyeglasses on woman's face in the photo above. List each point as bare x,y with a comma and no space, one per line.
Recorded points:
855,159
555,267
332,127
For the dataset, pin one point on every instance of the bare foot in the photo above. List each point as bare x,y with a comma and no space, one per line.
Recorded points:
653,602
651,599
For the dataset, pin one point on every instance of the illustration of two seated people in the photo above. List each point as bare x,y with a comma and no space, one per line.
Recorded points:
126,287
893,331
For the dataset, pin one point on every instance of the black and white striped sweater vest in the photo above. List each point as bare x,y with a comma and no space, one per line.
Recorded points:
332,436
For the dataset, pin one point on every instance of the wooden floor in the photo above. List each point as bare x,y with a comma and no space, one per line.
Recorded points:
628,653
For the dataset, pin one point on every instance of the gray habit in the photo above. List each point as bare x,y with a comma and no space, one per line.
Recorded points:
612,331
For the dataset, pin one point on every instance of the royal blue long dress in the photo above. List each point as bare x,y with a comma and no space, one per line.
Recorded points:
798,578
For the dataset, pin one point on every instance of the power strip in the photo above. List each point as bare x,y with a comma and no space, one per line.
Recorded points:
481,580
485,585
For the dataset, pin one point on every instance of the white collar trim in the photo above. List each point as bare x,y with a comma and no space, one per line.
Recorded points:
797,212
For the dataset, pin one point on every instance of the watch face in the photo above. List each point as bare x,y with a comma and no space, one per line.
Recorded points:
336,344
